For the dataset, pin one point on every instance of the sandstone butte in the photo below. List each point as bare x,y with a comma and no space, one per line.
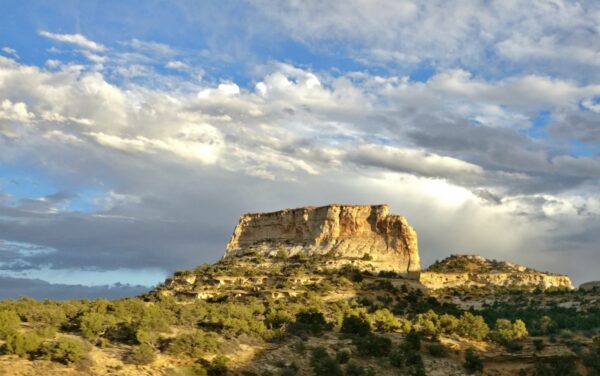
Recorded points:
362,235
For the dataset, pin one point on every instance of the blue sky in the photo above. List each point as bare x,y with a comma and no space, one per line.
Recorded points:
133,134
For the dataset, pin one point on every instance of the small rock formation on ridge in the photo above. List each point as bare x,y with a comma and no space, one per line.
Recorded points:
476,271
366,236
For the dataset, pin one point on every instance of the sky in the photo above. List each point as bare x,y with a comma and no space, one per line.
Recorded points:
134,134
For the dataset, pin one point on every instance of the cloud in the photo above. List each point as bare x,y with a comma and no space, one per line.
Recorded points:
10,51
486,36
76,39
15,111
416,162
177,65
143,169
38,289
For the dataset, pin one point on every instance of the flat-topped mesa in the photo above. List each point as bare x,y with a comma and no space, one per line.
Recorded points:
363,235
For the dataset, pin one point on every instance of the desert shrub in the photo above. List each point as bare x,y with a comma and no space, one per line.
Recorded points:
355,325
23,344
142,354
405,325
513,346
277,318
428,324
239,318
155,319
448,324
545,325
506,331
384,321
323,364
437,350
343,356
146,336
412,341
191,314
556,366
218,366
311,321
45,313
473,362
9,323
471,326
539,344
65,350
193,344
397,358
373,345
408,357
355,369
93,324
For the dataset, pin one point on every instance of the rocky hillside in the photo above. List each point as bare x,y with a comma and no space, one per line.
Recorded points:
309,292
472,270
366,236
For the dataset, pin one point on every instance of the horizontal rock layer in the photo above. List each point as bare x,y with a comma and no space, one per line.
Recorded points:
346,232
473,270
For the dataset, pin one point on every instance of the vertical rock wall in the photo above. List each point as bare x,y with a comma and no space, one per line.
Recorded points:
346,232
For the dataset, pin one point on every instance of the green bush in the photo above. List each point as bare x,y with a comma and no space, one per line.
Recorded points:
384,321
312,321
65,350
437,350
428,324
412,341
142,354
42,314
26,344
218,366
354,369
539,344
9,323
323,364
343,356
472,362
373,345
507,331
471,326
397,358
355,325
93,324
193,344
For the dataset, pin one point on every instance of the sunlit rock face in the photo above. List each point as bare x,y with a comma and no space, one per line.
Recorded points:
363,235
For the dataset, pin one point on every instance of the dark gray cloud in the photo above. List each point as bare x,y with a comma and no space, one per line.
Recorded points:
14,288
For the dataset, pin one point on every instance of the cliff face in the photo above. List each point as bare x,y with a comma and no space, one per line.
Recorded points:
346,232
470,270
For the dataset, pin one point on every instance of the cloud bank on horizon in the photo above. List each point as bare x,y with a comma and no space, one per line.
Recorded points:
133,135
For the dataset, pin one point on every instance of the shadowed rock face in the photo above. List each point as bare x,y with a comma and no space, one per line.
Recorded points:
346,232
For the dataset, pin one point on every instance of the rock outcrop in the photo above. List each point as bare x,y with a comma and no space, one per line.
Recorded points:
363,235
476,271
589,286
